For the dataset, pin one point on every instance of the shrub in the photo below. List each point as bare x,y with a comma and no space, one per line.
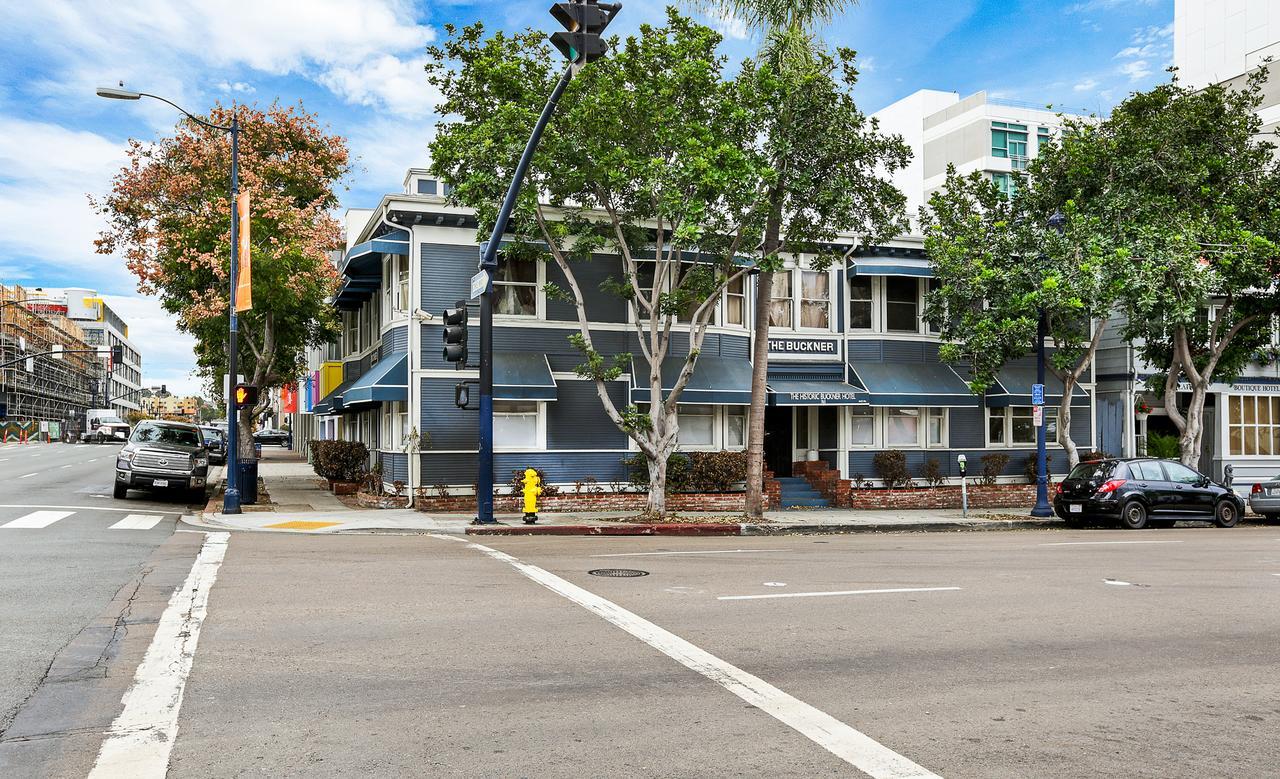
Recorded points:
716,471
933,474
861,482
517,483
1030,470
340,460
992,466
679,472
891,465
1165,447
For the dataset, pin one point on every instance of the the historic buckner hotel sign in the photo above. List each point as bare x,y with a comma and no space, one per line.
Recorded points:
802,346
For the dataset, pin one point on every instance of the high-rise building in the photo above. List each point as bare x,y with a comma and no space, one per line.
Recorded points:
1223,41
103,327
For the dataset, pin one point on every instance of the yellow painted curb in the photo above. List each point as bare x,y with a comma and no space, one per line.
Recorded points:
300,525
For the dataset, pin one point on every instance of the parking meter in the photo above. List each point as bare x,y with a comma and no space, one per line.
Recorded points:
964,486
1228,475
961,459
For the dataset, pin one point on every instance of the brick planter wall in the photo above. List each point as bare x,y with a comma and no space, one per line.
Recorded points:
570,502
843,494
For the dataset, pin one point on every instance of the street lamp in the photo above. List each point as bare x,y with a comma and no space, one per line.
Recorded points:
231,499
1058,223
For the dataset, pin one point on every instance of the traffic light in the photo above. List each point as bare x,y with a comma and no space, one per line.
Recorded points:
246,396
455,333
583,21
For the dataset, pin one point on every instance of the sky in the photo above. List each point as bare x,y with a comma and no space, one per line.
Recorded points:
358,65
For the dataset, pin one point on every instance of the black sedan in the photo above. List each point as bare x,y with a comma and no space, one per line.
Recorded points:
271,436
216,442
1142,491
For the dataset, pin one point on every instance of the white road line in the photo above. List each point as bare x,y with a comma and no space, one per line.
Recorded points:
27,475
137,522
850,745
38,519
74,508
67,466
1100,543
141,738
838,592
717,551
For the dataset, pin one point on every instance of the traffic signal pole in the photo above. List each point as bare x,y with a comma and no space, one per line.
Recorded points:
231,498
489,264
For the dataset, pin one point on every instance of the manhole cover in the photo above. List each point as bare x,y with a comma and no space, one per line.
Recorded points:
618,573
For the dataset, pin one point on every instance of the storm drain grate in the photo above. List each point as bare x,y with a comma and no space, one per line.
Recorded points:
618,573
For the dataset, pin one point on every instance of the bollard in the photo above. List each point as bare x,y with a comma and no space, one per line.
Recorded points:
532,489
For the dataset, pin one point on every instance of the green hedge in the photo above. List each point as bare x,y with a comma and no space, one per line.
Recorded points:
692,471
340,460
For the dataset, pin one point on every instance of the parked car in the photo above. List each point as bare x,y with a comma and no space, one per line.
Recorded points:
103,426
273,436
216,441
1140,491
163,455
1264,499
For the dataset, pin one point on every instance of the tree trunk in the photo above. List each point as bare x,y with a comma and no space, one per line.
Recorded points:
1064,424
656,506
1193,432
244,421
760,362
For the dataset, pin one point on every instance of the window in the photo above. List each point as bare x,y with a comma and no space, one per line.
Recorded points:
353,332
426,186
697,425
1009,141
402,284
735,302
1006,183
515,288
1012,426
515,424
902,303
935,432
903,427
860,302
395,424
815,300
1147,470
862,427
780,306
1253,425
1180,474
735,427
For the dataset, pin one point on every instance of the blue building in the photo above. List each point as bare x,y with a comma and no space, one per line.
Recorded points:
853,367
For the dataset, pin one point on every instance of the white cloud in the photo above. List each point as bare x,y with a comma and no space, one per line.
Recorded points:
1150,44
385,149
1086,85
1136,70
728,25
400,85
166,351
238,86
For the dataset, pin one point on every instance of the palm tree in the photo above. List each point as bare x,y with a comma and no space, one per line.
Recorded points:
788,35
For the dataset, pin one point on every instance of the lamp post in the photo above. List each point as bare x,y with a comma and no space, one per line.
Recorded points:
231,498
1057,222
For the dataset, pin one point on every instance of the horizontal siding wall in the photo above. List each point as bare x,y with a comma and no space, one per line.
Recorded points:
395,340
449,426
601,306
446,275
395,466
577,420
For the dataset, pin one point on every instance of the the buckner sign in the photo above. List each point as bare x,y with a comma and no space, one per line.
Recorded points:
807,346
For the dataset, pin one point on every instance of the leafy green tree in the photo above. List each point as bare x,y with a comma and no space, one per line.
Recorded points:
648,158
169,216
1185,183
826,158
998,264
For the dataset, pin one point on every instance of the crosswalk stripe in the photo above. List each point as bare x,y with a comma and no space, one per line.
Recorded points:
138,522
38,519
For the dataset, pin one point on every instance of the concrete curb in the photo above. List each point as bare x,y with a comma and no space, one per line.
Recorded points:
746,529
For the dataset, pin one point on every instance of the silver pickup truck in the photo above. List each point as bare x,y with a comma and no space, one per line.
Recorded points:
163,455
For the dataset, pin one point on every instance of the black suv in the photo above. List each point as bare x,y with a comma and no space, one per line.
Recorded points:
1142,491
163,455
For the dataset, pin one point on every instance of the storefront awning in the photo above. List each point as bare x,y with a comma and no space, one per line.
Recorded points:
1013,388
364,259
890,266
912,384
386,381
721,380
332,403
814,392
522,376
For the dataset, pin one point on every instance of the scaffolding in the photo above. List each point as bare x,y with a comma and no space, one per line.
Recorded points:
46,395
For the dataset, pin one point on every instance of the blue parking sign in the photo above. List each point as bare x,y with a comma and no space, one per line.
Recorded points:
1037,394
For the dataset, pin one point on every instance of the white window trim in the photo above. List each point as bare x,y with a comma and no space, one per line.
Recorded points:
540,444
1008,428
718,316
880,430
797,300
721,317
540,298
884,307
720,426
876,317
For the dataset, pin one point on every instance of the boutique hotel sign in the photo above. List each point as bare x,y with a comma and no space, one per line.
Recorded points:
802,346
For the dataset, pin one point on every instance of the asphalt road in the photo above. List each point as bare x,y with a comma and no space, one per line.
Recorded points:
68,555
1016,654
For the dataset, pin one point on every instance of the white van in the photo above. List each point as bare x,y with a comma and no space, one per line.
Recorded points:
101,425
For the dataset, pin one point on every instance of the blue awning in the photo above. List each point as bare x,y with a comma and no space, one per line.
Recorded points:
332,403
884,266
386,381
821,388
522,376
722,380
1013,388
912,384
361,258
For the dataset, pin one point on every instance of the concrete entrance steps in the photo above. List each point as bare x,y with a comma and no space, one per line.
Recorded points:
796,493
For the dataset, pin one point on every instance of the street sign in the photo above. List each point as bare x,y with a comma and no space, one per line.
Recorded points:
1037,394
1037,414
479,283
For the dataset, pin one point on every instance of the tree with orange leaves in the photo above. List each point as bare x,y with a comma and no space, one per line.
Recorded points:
169,216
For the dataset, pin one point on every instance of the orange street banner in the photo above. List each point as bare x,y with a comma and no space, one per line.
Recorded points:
289,399
244,275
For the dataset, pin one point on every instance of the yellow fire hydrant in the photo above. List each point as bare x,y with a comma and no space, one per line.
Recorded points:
532,489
